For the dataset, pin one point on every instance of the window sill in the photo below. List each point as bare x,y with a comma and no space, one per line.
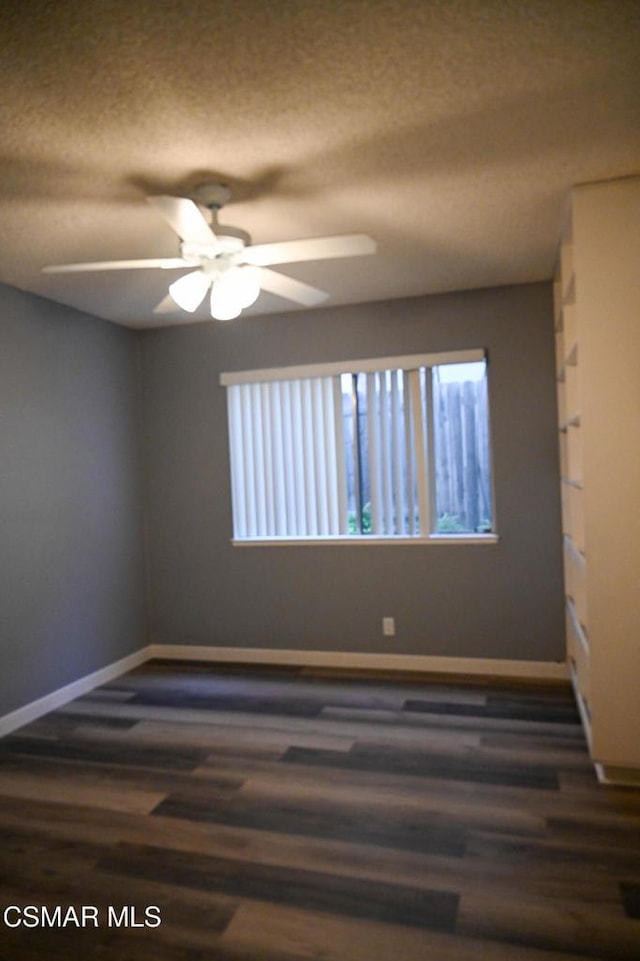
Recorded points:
351,540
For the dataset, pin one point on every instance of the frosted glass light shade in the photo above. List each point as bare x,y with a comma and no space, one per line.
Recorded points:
246,281
236,289
241,285
223,308
189,291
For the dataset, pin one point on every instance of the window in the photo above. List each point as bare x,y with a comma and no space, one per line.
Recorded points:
393,448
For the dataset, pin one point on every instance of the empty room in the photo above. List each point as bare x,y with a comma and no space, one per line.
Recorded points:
320,459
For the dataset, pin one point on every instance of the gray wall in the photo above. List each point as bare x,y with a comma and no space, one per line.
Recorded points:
72,595
502,601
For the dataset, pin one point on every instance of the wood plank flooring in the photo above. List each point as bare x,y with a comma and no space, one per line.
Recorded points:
282,815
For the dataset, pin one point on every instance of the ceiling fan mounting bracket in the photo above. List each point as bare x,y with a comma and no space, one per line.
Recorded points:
213,196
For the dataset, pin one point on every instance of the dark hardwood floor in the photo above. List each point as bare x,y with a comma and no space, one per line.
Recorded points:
284,815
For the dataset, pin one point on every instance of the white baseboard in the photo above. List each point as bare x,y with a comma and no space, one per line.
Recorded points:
536,670
34,710
618,776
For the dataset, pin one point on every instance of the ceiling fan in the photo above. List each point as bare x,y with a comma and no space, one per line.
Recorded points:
225,262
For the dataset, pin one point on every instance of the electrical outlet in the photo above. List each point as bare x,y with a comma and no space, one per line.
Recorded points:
388,626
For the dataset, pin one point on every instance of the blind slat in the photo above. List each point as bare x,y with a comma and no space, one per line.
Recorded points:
409,467
397,437
289,470
264,445
329,442
311,503
419,449
319,456
373,436
247,442
341,463
297,436
386,453
238,487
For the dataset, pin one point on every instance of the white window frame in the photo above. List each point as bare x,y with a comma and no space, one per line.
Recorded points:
269,492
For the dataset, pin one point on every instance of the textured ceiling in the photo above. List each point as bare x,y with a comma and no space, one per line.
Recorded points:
451,131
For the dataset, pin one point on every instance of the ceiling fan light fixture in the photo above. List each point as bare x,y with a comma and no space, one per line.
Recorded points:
190,290
225,259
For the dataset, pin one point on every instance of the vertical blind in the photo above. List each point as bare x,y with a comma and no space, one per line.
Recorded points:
395,413
333,452
287,458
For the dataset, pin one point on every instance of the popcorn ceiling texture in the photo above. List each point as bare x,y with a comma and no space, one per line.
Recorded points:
450,130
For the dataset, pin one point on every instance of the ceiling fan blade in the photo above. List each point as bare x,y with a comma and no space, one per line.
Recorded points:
283,286
166,306
320,248
164,263
185,217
